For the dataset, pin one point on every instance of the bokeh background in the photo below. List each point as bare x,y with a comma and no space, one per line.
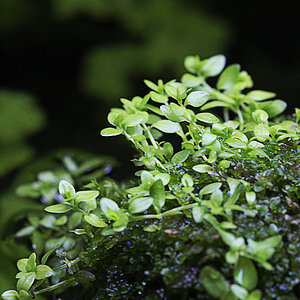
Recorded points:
65,63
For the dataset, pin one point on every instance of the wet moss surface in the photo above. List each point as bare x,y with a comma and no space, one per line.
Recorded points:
167,263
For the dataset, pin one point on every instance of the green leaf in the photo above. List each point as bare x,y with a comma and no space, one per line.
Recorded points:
154,109
173,112
239,291
190,80
187,180
214,282
86,195
273,107
48,253
167,126
193,64
297,112
228,78
60,221
229,296
234,195
43,271
10,295
140,204
175,90
261,132
214,65
31,263
171,91
66,189
21,274
202,168
94,220
255,295
58,208
164,177
74,220
151,85
26,281
208,138
135,119
245,273
214,104
236,143
21,264
264,249
197,213
258,95
147,179
197,98
228,225
110,131
210,188
158,97
157,192
260,116
80,232
216,198
231,256
250,197
168,150
121,223
224,164
116,116
25,295
233,183
207,118
243,81
169,114
255,145
109,208
180,156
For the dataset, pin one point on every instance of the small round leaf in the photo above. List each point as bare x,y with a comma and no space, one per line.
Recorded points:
43,271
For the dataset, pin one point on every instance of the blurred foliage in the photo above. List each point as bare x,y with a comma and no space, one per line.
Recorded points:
20,117
78,163
157,42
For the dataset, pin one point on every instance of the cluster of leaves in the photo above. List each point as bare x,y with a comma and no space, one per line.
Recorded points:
230,193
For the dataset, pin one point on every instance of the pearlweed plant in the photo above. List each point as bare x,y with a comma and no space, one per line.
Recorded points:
222,191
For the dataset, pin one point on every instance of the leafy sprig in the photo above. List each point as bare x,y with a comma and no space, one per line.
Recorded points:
190,181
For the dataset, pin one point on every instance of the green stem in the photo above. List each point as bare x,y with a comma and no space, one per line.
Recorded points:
241,119
208,88
137,145
231,151
53,287
160,164
150,136
195,198
174,211
226,114
82,211
74,261
170,212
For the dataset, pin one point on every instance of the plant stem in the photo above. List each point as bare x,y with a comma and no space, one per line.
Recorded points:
195,198
170,212
53,287
74,261
150,136
226,114
241,119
